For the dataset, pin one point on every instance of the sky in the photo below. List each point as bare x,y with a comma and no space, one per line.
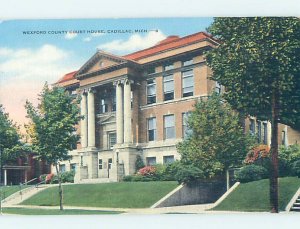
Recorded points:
33,52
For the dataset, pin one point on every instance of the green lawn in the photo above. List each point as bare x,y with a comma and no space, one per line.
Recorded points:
30,211
254,196
115,195
9,190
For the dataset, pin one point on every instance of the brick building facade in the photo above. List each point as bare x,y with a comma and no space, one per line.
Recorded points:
137,105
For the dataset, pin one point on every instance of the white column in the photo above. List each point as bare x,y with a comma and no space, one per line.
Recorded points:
127,112
5,177
84,121
119,112
91,118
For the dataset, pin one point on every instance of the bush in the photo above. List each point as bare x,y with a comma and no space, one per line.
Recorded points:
43,177
139,163
296,168
188,174
251,173
68,177
128,178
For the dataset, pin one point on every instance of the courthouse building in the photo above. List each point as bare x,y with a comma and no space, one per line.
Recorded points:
138,104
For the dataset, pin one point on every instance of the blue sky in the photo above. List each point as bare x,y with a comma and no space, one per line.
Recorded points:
28,60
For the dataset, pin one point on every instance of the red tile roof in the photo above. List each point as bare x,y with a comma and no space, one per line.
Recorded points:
169,43
67,77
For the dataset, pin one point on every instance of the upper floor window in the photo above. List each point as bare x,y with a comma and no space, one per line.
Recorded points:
151,91
103,106
169,126
112,140
169,67
114,102
187,83
151,129
188,62
168,87
186,131
150,70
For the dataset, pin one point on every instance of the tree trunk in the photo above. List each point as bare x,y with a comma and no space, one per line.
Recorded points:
60,191
274,154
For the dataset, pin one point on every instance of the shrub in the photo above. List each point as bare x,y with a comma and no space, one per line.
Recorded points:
296,168
147,171
139,163
68,177
128,178
188,174
43,177
54,180
251,173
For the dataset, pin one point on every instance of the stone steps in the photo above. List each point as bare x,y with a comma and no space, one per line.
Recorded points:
296,205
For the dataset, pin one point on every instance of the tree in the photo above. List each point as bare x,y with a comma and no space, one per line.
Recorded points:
217,140
258,61
10,144
52,128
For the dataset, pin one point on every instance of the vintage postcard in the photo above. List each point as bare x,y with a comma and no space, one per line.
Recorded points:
149,116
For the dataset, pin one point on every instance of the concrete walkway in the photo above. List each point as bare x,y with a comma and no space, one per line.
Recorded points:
18,197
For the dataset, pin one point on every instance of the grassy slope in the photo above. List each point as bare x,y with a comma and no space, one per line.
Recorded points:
29,211
254,196
118,195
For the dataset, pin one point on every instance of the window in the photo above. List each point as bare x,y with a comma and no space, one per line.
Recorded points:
168,87
103,106
100,164
73,167
283,138
111,140
109,163
258,127
188,62
151,70
62,168
114,102
151,129
252,127
218,88
169,124
151,91
265,139
151,160
187,83
186,131
168,159
169,67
